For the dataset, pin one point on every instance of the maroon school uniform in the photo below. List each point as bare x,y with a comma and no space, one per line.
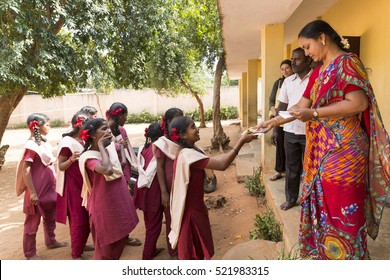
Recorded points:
148,199
44,184
69,205
168,182
195,240
112,213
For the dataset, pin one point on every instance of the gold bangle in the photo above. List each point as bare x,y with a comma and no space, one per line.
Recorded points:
276,120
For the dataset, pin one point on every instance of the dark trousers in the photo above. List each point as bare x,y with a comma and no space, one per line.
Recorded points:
280,160
294,146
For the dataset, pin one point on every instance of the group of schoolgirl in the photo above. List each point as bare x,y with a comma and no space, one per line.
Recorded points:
91,189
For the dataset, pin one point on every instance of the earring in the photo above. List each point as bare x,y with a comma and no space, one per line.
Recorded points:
323,42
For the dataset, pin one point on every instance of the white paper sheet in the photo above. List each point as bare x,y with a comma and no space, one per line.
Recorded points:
285,114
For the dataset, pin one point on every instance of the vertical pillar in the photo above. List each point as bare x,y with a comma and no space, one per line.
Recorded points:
244,99
272,50
252,92
240,113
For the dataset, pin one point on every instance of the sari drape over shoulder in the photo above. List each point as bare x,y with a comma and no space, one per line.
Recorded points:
346,167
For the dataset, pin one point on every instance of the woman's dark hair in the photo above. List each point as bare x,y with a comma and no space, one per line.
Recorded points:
169,115
78,121
88,110
91,125
152,134
314,29
41,119
116,110
286,61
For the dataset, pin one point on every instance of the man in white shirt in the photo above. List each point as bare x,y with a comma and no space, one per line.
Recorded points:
295,139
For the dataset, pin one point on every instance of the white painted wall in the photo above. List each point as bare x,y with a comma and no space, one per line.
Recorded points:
63,107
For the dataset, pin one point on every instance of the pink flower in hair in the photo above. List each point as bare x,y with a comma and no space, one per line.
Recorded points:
33,125
173,135
84,134
79,122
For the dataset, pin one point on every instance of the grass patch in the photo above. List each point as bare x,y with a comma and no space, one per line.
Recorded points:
267,227
254,184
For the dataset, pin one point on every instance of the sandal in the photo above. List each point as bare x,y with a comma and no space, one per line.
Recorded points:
287,205
133,241
276,176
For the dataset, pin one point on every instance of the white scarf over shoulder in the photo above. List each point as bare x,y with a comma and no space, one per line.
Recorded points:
168,147
182,174
74,146
145,177
116,165
129,152
45,154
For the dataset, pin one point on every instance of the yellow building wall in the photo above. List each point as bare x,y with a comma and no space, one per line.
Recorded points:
371,21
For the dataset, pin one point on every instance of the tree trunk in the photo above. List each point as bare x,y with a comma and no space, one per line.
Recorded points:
200,103
219,140
7,104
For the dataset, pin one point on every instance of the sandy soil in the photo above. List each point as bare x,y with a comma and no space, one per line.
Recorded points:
230,224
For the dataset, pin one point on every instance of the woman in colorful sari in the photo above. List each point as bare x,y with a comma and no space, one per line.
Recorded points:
346,166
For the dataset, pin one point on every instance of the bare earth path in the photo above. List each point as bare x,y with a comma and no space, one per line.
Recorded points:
230,224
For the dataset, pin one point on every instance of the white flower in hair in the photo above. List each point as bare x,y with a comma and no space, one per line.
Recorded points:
345,43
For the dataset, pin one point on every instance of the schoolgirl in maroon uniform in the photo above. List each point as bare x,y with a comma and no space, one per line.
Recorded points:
69,185
35,177
165,153
116,119
147,193
105,192
190,225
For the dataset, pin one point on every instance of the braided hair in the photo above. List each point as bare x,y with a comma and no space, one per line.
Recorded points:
89,130
152,133
34,121
170,114
178,126
78,121
116,110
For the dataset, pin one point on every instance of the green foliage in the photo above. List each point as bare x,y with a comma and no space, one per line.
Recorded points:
53,123
227,113
143,117
255,184
267,227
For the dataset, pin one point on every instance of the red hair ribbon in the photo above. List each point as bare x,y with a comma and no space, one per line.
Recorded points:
84,134
32,125
79,122
173,135
117,111
162,125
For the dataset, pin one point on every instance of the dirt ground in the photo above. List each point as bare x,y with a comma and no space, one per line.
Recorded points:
230,224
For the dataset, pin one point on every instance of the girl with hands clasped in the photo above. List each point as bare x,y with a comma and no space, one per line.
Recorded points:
35,176
105,192
190,225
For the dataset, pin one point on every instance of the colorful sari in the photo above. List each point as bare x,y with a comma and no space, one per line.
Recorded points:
346,167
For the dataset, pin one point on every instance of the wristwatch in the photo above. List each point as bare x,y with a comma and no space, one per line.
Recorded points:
315,114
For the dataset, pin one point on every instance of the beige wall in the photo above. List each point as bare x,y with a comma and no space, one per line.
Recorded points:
371,21
63,108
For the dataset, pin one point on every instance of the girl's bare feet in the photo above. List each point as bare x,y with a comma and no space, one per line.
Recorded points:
56,245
